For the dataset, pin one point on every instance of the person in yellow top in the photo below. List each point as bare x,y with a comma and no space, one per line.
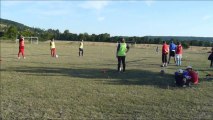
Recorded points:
52,48
81,48
122,49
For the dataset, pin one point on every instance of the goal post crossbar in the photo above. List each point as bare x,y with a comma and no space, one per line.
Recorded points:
30,39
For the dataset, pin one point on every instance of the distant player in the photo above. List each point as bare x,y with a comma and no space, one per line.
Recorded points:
211,58
122,49
179,52
165,51
156,50
52,48
21,47
172,48
81,48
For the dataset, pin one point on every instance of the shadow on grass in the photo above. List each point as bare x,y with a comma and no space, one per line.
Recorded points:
15,56
134,61
109,76
142,77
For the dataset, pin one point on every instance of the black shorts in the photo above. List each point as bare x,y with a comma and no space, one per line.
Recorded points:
80,49
172,53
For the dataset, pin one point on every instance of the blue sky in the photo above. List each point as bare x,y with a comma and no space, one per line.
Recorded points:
122,18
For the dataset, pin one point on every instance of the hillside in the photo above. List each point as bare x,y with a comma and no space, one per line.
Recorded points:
7,23
9,29
182,38
15,28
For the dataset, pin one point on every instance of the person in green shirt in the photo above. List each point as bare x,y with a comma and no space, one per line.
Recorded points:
122,49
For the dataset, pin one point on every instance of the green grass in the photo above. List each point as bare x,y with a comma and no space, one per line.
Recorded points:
72,87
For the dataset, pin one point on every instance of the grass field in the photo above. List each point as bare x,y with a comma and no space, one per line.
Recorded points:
72,87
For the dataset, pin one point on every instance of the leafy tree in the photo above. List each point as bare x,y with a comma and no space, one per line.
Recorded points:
66,34
81,36
10,29
105,37
11,32
206,43
27,32
92,38
185,45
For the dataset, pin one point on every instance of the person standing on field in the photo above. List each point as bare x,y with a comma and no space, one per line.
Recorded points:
21,47
81,48
179,52
122,49
156,50
211,58
118,42
165,51
172,48
52,48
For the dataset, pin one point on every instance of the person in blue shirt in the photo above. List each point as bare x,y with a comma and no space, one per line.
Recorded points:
172,48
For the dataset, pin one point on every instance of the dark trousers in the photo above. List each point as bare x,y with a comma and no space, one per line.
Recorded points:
179,80
121,59
171,54
211,64
81,52
164,58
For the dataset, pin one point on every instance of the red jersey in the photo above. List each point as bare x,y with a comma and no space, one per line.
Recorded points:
21,42
194,77
179,49
165,49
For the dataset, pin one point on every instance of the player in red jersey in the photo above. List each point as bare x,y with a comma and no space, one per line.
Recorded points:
21,47
165,51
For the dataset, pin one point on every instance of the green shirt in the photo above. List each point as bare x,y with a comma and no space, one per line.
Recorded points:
122,50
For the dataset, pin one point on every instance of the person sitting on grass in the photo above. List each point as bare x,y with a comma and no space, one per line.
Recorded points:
191,76
179,79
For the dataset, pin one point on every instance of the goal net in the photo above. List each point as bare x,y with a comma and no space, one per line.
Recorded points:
131,43
32,40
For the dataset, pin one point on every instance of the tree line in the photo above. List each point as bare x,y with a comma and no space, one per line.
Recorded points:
11,31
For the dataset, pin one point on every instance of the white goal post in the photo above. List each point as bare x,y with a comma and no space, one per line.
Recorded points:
131,43
30,39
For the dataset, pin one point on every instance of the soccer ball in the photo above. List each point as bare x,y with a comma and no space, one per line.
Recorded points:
56,56
162,72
